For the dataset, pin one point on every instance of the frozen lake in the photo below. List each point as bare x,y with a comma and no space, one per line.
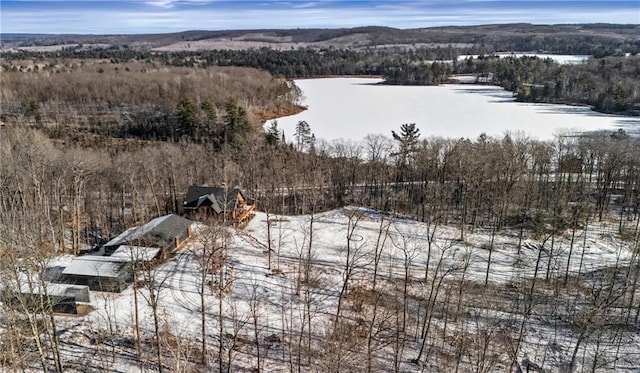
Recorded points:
351,108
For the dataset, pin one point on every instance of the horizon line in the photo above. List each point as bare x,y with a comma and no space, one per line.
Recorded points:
321,28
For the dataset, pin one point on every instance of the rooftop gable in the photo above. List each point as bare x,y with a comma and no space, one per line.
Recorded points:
198,195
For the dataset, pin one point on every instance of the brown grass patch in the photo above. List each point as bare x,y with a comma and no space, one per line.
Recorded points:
84,309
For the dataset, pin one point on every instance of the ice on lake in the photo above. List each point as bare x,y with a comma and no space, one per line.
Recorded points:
351,108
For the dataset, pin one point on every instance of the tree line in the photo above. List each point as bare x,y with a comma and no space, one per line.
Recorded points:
608,85
513,181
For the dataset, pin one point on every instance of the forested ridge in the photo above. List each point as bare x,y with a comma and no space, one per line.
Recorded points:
593,39
605,82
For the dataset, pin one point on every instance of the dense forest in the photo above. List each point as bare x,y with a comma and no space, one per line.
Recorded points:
94,100
608,85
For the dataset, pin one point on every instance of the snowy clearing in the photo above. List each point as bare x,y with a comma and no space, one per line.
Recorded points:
284,301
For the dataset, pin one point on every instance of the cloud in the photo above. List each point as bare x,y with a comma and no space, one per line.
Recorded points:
171,3
162,3
306,5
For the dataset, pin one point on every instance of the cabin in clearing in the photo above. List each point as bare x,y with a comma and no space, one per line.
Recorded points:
227,205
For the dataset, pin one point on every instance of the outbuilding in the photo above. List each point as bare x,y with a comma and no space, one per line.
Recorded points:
166,232
40,296
99,273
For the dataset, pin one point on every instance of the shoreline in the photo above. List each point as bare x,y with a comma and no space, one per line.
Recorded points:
270,113
340,76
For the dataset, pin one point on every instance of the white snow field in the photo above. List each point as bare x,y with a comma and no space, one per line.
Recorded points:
351,108
280,308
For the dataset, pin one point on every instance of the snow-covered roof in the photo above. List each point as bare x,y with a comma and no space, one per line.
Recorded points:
122,237
137,253
80,292
60,261
159,231
96,266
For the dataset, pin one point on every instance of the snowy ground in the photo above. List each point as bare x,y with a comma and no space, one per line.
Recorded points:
275,299
351,108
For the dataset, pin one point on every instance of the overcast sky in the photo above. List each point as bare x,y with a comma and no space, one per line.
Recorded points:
159,16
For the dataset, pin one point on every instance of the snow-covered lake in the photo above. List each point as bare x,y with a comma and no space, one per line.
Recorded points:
351,108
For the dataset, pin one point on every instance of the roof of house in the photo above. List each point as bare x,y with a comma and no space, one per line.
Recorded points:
96,266
199,195
158,232
79,292
136,253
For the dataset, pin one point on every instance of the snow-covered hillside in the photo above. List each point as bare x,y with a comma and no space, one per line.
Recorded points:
394,312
